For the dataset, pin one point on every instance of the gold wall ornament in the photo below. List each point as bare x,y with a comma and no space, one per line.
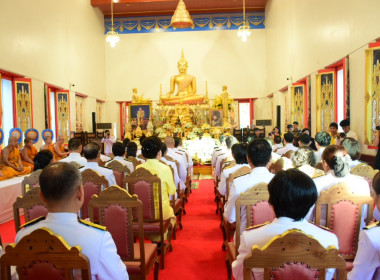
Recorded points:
299,108
372,92
24,116
63,113
138,98
181,17
326,97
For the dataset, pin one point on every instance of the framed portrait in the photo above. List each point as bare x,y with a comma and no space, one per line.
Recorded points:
372,93
216,117
140,114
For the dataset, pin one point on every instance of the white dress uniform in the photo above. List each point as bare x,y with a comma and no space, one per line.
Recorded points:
108,143
367,260
103,171
277,146
352,135
356,184
182,163
288,147
262,235
96,244
224,176
226,155
318,154
104,158
124,162
240,185
216,153
177,180
75,157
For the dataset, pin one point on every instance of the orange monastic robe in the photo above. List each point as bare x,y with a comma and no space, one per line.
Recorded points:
9,172
31,154
57,157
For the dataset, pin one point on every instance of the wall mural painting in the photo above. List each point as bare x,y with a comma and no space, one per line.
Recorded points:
63,113
23,97
372,94
298,104
325,100
79,113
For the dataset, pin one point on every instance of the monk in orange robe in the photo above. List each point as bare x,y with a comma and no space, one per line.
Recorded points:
48,145
28,153
12,164
59,151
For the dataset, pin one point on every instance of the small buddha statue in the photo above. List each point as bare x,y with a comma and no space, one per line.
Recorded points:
186,87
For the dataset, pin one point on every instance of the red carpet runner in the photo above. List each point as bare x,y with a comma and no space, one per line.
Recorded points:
197,252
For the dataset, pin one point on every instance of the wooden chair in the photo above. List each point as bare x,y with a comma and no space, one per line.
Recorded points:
44,255
282,163
93,183
228,228
344,215
218,196
288,154
258,211
147,187
76,164
181,194
140,156
32,205
294,255
176,204
134,161
119,171
31,181
120,212
364,170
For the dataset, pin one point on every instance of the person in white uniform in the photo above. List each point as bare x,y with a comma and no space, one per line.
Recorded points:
218,150
336,164
345,124
367,259
63,194
75,148
290,211
118,149
239,153
230,140
322,140
92,153
353,149
288,140
169,142
259,155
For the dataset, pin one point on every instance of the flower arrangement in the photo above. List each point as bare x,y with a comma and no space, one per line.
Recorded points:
206,126
197,130
215,131
162,135
178,130
167,126
160,130
191,135
227,125
188,125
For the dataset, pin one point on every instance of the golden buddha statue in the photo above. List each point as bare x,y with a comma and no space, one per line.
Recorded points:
136,98
186,87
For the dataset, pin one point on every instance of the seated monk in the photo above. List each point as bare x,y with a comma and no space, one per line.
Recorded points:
59,151
12,164
48,144
28,153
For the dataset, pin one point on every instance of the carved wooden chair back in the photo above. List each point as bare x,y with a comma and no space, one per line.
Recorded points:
118,212
257,208
294,255
344,215
283,163
31,181
44,255
134,161
172,159
288,154
93,183
32,205
119,170
147,187
364,170
140,156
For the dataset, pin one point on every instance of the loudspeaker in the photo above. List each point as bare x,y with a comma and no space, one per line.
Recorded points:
93,122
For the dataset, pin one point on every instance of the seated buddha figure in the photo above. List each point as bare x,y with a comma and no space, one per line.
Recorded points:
186,87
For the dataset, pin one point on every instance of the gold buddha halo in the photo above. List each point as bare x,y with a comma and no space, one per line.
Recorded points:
181,17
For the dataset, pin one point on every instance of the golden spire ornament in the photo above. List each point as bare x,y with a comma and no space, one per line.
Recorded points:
181,17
